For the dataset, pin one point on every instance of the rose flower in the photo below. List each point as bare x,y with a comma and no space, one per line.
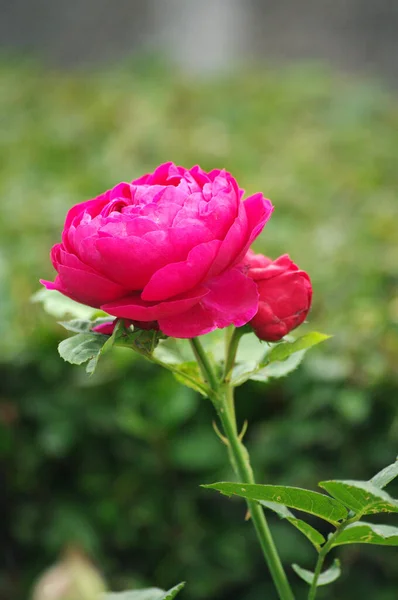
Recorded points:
164,248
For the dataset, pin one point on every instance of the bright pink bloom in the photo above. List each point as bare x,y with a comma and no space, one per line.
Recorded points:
164,248
285,295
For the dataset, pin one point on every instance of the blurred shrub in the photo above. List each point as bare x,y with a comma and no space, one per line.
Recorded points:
113,463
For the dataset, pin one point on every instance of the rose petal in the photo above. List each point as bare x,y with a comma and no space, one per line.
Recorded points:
232,244
92,207
286,292
58,286
195,321
232,299
89,288
176,278
105,328
176,242
136,309
262,267
71,260
165,174
129,261
259,211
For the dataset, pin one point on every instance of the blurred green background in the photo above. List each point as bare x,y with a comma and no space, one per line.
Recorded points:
114,462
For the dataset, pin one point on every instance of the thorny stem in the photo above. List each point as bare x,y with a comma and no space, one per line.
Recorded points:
223,400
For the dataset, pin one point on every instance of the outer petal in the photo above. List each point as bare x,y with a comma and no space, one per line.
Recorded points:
165,174
136,309
59,287
232,244
258,212
89,288
71,260
92,207
195,321
232,299
176,278
55,285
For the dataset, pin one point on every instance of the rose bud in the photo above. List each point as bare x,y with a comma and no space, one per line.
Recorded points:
164,248
285,295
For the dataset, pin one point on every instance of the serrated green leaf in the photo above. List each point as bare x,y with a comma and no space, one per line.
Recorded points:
275,361
59,306
310,532
278,369
188,374
307,501
82,347
361,496
146,594
368,533
324,578
385,476
283,350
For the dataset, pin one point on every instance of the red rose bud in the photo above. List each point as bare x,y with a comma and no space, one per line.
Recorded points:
285,295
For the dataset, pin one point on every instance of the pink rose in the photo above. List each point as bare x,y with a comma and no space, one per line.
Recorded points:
285,295
164,248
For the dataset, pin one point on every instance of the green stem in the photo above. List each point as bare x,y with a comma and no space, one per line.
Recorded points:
245,473
224,404
231,351
204,364
323,553
317,572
